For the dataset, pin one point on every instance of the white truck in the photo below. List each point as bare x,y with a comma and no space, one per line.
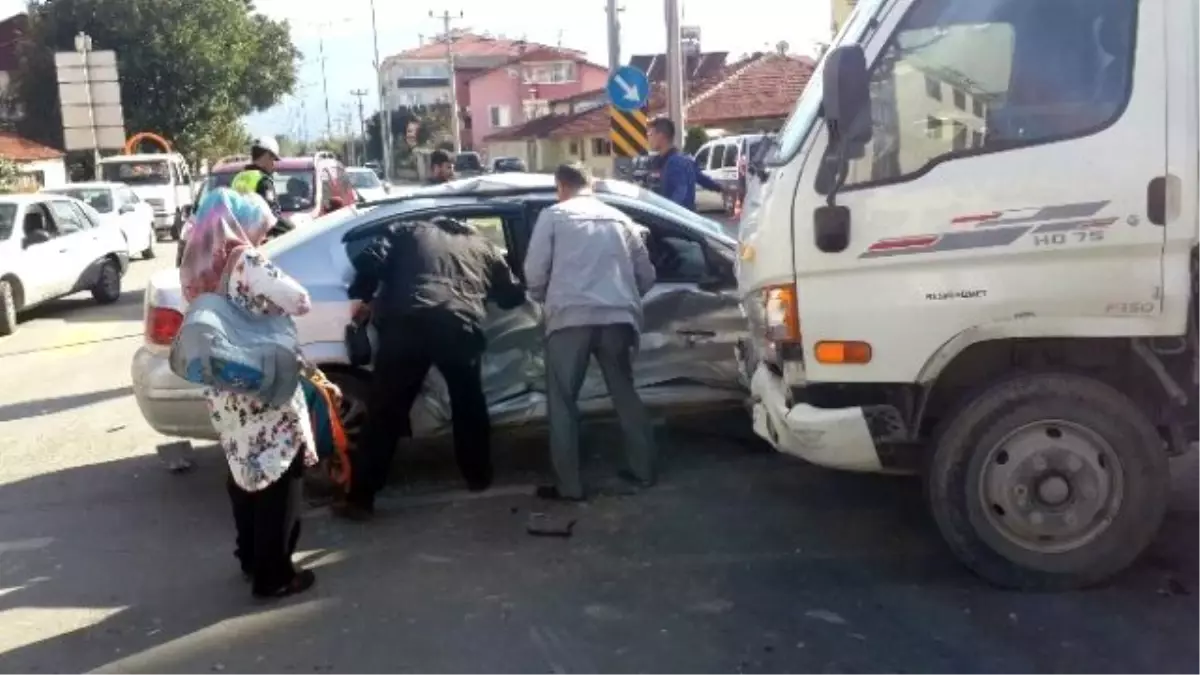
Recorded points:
162,180
973,257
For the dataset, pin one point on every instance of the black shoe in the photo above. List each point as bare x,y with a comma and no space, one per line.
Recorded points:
550,492
628,476
304,580
349,510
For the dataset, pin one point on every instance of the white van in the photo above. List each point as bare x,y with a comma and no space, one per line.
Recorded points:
718,159
163,181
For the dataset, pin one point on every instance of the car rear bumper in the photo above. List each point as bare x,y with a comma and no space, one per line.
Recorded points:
838,438
171,405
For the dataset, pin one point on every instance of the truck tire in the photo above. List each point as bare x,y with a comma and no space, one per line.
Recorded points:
1048,481
8,308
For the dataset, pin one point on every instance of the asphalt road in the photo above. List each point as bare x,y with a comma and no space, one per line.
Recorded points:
740,561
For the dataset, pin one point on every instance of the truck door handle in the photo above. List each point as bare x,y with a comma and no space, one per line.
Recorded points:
1156,200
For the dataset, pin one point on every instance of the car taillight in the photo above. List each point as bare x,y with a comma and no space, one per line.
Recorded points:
162,324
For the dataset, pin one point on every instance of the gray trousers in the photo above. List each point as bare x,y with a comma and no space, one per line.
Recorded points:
568,351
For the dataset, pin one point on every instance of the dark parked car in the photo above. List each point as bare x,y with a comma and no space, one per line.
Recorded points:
509,165
468,164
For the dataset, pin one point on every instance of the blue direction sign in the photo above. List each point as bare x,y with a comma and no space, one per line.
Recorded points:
628,88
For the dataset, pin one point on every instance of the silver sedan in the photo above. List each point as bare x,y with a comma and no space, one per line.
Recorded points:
692,319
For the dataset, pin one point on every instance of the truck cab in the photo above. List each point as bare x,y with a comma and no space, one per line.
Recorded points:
162,180
973,258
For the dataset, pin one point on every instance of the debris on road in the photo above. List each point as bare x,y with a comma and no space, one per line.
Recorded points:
545,525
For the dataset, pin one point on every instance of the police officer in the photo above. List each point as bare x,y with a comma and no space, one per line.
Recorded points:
258,176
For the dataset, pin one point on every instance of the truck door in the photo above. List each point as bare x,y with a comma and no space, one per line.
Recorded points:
1005,185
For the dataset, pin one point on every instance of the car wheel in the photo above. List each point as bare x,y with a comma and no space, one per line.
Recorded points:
148,253
1048,481
108,287
8,309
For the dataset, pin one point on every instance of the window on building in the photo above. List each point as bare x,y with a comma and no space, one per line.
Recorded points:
1055,86
933,127
550,73
601,147
535,108
574,149
933,88
499,116
960,99
960,136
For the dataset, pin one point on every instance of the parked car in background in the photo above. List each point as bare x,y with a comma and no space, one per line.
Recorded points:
468,164
641,169
691,323
374,166
162,180
307,187
119,204
719,160
367,184
509,165
52,245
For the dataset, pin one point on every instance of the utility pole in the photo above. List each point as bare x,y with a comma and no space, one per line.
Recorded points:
325,85
362,123
675,70
83,45
446,18
385,112
614,64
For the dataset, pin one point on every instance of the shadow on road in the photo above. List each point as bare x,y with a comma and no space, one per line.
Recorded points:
740,560
50,406
82,308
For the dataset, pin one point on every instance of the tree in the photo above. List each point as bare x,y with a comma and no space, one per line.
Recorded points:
10,176
190,69
693,139
432,123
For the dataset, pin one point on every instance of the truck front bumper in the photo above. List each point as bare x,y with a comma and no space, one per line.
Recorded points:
838,438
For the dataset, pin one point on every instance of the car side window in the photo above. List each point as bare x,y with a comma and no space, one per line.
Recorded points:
973,78
702,157
38,215
731,156
86,218
67,219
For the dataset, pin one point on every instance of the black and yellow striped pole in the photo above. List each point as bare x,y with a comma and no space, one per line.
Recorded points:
628,132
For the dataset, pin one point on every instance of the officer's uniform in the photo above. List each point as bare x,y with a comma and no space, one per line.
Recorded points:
254,179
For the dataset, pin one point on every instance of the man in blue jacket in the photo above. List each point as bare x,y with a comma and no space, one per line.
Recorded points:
673,174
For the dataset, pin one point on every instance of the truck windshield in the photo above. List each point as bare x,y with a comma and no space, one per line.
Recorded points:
808,107
142,172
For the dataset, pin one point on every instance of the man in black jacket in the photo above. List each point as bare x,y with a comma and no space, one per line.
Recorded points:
436,278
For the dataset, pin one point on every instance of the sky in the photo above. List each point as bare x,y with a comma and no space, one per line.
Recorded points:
343,29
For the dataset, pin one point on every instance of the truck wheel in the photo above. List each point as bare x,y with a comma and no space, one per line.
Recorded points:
8,309
1048,481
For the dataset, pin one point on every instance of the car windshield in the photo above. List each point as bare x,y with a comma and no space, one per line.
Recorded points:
508,163
137,172
293,189
97,198
364,179
8,216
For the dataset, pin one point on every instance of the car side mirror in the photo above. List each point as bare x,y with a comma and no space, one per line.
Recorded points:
127,208
846,101
35,235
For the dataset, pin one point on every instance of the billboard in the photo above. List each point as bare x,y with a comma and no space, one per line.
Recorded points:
89,91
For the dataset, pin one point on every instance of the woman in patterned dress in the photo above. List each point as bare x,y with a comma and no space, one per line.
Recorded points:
267,447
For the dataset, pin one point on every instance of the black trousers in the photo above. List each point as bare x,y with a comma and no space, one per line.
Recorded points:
268,527
406,353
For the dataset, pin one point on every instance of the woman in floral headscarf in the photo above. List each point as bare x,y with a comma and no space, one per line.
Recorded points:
267,447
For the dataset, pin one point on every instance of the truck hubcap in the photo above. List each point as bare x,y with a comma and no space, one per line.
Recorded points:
1051,486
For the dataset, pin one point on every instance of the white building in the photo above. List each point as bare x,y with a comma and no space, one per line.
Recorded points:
43,165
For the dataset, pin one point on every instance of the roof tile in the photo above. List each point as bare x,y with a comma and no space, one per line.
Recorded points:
20,149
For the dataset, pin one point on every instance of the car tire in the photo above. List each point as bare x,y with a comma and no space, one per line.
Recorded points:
1048,481
108,286
8,308
148,253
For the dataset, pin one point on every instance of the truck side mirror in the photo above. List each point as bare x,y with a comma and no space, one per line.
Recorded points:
846,107
846,101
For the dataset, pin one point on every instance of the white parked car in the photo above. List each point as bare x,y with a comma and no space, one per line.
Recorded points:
51,246
367,184
117,203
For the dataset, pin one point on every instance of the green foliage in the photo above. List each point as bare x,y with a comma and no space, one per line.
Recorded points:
432,122
10,177
694,138
190,69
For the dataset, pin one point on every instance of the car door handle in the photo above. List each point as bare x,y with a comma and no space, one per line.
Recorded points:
686,332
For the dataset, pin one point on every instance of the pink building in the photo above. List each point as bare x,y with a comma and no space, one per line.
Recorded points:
515,92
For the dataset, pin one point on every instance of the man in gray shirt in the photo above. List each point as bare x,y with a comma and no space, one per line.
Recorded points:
588,264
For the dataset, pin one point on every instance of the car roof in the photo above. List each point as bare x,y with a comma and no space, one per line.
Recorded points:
284,164
86,184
